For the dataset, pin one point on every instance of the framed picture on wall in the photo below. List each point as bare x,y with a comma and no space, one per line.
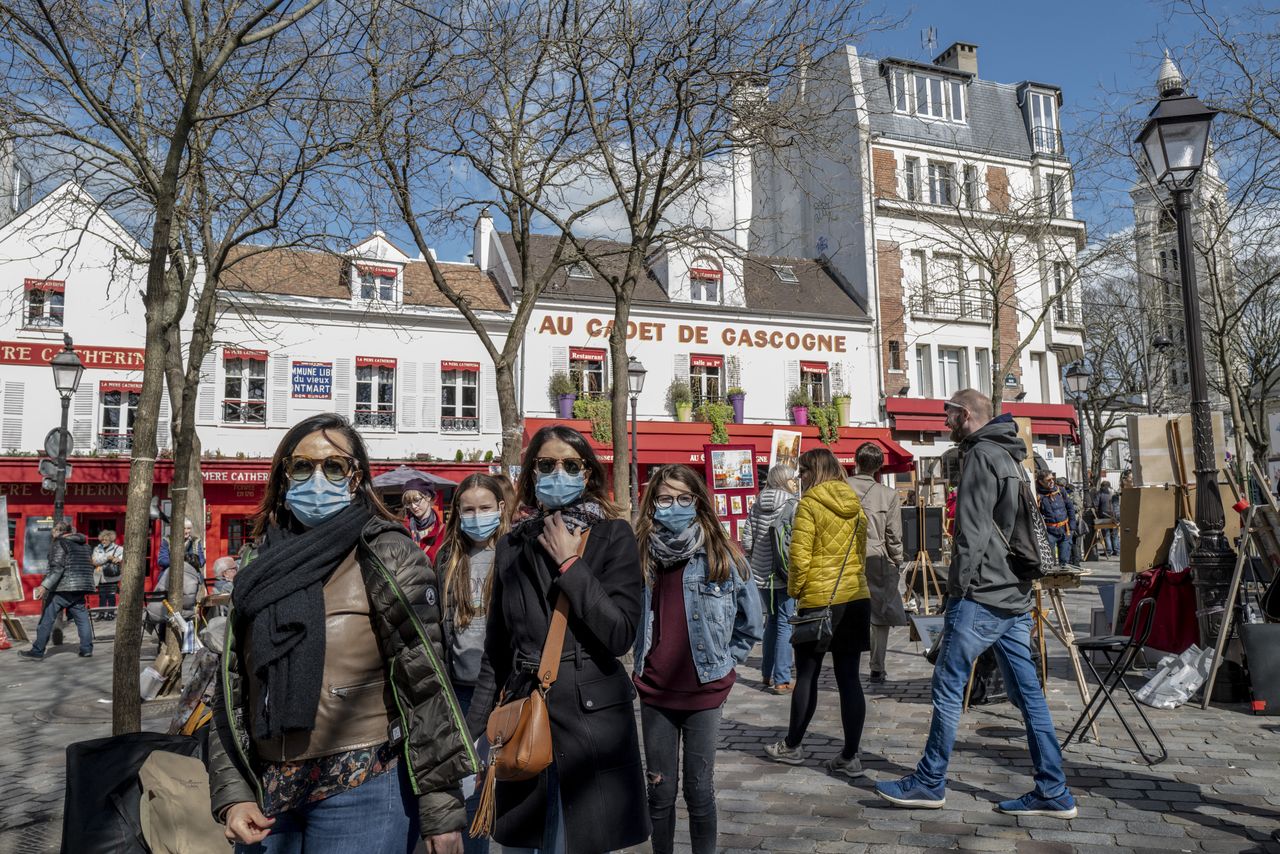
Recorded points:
722,505
735,503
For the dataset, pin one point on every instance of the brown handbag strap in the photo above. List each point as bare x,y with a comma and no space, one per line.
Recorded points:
549,666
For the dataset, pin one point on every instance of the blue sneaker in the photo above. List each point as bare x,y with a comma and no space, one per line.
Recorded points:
1063,806
909,792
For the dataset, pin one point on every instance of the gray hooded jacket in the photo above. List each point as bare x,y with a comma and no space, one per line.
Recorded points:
986,498
772,506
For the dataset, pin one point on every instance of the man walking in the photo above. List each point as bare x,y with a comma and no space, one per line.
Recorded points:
987,607
69,580
884,552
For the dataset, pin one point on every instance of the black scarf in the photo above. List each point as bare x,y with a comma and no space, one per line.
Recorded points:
281,595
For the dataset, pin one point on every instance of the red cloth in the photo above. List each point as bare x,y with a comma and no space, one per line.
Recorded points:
428,539
670,679
1175,627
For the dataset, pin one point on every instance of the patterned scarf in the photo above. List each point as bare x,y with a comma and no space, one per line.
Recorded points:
668,549
578,517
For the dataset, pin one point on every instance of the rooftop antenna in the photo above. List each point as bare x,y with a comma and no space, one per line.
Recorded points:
929,40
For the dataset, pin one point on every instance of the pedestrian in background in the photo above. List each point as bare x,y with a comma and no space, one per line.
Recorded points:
987,606
224,574
1059,514
884,552
1106,507
766,538
828,547
68,581
701,618
192,549
107,558
421,518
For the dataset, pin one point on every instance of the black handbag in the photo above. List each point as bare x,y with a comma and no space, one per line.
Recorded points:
814,625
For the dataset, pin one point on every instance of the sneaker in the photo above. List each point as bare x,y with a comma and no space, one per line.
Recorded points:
32,654
88,654
877,677
781,688
57,637
848,767
908,792
779,752
1063,806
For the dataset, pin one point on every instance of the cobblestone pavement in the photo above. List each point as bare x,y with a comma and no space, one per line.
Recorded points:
1219,790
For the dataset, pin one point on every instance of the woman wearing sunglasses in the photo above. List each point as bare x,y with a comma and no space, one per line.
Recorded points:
702,617
573,545
335,728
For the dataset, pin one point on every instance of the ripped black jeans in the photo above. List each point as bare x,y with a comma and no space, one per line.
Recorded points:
664,730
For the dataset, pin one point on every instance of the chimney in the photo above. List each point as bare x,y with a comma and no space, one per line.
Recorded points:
480,242
961,56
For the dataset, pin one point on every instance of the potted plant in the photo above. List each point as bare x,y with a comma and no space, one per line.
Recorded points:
599,411
680,399
842,403
717,415
737,399
799,402
827,420
563,393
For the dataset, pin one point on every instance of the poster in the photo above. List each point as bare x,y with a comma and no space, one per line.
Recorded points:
722,505
313,380
751,502
10,584
784,448
731,478
735,501
733,468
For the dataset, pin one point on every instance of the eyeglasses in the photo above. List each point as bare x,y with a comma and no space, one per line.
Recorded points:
335,469
572,466
684,499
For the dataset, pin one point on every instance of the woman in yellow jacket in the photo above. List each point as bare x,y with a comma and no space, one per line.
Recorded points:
828,551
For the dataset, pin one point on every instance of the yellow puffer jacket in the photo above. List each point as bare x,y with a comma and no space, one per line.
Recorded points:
828,516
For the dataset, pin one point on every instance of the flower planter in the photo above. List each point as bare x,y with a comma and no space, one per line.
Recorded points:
565,403
843,406
738,402
684,411
800,415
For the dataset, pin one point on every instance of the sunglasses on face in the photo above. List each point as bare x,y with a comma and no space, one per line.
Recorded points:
573,466
335,469
684,499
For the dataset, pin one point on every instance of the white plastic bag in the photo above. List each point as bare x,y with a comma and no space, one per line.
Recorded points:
1185,537
1177,678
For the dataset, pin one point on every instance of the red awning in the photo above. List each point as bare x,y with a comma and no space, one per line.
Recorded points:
676,442
926,415
698,360
241,353
585,354
465,367
374,362
815,367
47,285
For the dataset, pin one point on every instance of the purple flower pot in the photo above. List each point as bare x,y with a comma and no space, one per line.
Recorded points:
566,402
738,402
800,415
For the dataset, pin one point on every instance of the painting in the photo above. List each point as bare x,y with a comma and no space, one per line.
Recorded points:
735,502
722,505
928,628
733,468
728,527
751,502
784,448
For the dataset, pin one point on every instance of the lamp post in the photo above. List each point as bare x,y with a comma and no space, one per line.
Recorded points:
1174,142
635,385
1077,380
67,369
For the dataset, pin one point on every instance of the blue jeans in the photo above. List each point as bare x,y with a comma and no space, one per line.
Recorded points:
471,791
1111,540
73,602
380,816
554,837
969,630
778,656
1061,542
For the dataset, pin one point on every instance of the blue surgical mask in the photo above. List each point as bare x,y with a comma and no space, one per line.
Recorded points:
675,518
560,489
317,500
480,526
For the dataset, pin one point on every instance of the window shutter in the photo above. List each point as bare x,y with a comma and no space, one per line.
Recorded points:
490,416
11,428
430,397
793,376
164,438
342,377
278,407
207,395
407,406
837,377
682,367
559,360
735,373
82,422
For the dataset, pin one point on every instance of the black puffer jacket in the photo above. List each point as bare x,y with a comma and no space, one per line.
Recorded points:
70,566
406,615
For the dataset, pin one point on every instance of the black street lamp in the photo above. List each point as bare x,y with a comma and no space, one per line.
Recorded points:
1077,380
635,385
67,369
1174,142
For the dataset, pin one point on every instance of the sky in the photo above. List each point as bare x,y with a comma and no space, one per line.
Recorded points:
1087,47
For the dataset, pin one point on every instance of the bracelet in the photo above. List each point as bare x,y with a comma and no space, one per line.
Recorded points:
567,562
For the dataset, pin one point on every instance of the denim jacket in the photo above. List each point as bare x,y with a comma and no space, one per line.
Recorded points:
725,620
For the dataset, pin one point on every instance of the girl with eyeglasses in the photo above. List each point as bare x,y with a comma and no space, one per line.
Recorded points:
335,728
573,544
702,617
420,517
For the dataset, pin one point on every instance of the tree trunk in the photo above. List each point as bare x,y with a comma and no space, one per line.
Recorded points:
512,417
997,367
618,397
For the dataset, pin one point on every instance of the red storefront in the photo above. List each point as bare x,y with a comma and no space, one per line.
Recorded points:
926,415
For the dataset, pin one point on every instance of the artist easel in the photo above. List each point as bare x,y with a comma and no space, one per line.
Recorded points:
1056,620
12,626
922,567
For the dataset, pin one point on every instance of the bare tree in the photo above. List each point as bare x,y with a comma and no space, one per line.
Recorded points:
125,87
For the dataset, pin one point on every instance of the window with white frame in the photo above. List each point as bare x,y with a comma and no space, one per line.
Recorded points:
580,270
971,190
941,183
377,284
706,379
244,395
984,370
924,370
1044,122
119,407
901,90
948,278
815,380
1055,195
705,284
375,392
953,370
460,397
911,178
586,369
44,303
930,95
1065,308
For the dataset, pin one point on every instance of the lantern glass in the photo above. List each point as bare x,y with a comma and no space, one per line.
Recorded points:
635,376
1078,380
67,370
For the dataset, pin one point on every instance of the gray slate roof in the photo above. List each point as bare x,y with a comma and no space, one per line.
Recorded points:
995,124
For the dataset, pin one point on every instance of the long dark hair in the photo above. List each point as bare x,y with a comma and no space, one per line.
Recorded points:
454,551
821,465
715,542
595,490
273,511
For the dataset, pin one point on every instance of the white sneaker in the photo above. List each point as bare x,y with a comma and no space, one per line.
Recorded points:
779,752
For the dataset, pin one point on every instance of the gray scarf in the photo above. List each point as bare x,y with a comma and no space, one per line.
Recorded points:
668,549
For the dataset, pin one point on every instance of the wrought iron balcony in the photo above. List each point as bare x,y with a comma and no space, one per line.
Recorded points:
1046,140
380,419
115,441
962,306
1067,314
459,424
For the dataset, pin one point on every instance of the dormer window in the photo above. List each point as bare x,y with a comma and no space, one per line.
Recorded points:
705,285
579,270
376,284
44,303
786,273
1045,137
931,96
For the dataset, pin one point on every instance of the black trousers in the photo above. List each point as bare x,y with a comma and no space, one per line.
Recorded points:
851,624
